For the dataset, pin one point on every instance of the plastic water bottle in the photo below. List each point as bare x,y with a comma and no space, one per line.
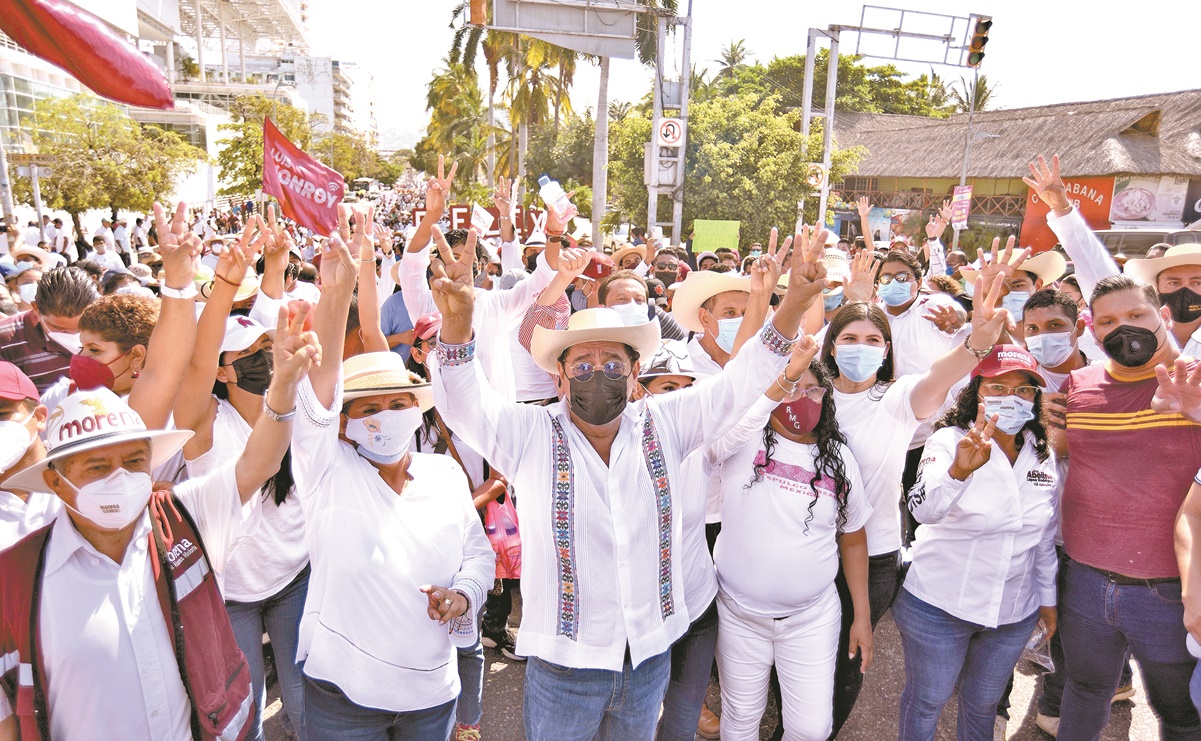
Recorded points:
553,196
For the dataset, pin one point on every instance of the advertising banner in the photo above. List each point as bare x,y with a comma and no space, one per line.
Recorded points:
308,191
1092,198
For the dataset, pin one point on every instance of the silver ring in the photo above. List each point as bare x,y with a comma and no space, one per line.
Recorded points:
446,601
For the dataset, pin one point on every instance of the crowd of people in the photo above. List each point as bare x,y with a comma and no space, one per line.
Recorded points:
722,467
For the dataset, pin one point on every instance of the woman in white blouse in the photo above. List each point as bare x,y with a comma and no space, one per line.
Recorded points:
984,564
792,499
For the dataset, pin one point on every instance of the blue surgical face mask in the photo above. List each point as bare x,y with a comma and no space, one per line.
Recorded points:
858,362
894,293
727,330
1015,301
1013,412
832,301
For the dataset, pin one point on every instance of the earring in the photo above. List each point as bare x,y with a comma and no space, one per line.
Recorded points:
136,375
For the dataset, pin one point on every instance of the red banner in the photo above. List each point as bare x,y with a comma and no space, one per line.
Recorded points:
308,191
1091,196
72,38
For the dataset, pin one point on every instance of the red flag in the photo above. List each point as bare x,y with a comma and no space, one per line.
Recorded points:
72,38
308,191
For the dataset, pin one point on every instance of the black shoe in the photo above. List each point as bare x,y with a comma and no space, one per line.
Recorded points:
505,642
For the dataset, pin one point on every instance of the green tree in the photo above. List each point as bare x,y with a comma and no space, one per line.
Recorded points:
105,158
745,161
733,58
241,154
964,93
565,155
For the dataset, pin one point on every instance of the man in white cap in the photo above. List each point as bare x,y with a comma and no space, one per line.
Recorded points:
102,654
602,544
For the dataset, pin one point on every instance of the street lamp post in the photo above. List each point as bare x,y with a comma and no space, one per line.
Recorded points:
274,102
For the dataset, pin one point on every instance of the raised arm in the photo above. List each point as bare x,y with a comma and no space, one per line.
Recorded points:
551,309
370,328
764,273
436,194
1089,256
295,352
864,206
936,253
170,348
339,273
275,254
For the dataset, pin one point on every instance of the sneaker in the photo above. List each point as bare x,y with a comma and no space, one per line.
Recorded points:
487,641
465,733
999,727
709,726
506,642
1048,723
1123,693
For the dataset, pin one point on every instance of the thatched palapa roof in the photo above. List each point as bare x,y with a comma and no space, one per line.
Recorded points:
1149,134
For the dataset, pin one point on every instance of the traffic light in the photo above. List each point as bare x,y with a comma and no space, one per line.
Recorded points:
975,50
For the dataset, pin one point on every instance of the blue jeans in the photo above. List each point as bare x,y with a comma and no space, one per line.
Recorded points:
1098,621
331,716
691,664
943,655
470,706
564,704
279,616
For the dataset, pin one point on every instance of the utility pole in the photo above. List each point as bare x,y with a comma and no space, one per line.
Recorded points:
967,140
828,124
677,208
669,158
6,192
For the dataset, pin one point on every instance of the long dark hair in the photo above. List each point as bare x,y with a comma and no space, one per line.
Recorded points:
828,462
853,312
967,407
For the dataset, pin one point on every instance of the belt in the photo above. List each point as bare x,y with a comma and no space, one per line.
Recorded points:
1132,581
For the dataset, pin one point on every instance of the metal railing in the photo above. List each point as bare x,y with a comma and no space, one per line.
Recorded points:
997,205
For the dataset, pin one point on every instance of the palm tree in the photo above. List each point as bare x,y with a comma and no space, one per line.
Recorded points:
980,93
533,91
619,110
733,57
565,60
495,45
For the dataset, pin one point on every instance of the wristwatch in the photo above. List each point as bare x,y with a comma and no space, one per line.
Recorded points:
181,293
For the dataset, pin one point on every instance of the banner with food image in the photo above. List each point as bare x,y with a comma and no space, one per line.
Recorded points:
1153,199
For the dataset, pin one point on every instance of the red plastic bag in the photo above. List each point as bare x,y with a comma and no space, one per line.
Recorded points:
500,524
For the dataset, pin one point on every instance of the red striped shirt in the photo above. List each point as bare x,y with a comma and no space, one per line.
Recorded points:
24,343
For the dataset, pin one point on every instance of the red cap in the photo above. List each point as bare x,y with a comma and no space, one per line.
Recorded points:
15,385
1005,358
600,266
427,326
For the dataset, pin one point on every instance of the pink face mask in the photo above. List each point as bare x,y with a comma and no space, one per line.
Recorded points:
800,416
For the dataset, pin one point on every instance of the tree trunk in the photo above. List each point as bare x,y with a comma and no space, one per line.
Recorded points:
558,100
600,154
523,146
491,134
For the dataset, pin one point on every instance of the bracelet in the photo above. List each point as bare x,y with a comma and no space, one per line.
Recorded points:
276,416
227,281
980,354
180,293
787,389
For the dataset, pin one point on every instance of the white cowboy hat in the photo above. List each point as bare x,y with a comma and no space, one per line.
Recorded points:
699,287
592,325
1047,266
627,250
671,360
87,420
1148,270
44,258
377,373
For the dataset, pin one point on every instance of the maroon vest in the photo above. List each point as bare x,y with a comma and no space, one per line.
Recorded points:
213,668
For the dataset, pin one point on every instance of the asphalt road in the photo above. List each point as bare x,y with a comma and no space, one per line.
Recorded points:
874,717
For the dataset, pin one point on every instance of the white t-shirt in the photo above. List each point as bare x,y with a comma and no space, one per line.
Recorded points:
20,518
770,525
110,260
878,424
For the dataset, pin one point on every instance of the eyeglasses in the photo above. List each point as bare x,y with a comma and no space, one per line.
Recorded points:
665,266
815,393
899,278
613,370
429,343
997,389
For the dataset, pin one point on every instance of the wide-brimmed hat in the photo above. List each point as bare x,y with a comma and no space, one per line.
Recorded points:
246,289
626,251
671,360
1006,358
37,254
1148,270
592,325
376,373
241,332
1047,266
699,287
94,419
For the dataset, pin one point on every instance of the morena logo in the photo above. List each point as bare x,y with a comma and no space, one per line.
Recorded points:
180,551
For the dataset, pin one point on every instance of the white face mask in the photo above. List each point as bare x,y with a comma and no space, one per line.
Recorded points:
115,500
385,437
14,441
1013,412
1052,349
28,291
69,340
631,313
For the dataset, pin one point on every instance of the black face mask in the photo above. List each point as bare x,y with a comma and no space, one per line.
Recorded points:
254,372
666,277
1131,346
1184,303
531,263
598,400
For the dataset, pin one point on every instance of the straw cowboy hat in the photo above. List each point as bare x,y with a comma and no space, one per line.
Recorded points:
628,250
1046,266
593,325
376,373
247,289
94,419
1148,270
699,287
41,256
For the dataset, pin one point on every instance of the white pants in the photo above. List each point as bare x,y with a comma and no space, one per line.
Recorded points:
802,647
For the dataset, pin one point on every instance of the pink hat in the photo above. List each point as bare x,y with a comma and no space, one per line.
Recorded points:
1005,358
15,385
